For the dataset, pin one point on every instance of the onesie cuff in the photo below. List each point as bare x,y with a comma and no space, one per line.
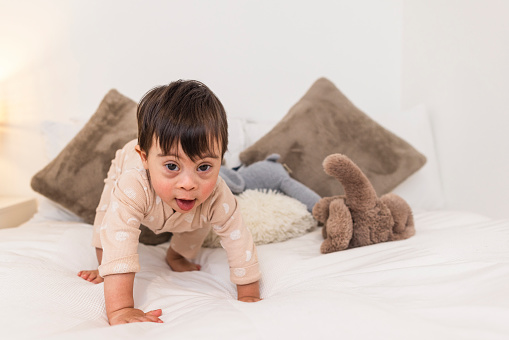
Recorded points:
245,275
127,264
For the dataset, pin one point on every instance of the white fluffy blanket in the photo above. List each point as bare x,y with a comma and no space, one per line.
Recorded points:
271,217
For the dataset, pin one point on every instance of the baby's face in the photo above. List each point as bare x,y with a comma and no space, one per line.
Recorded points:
179,181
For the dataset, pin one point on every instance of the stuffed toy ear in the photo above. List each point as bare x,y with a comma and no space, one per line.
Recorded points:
273,157
233,179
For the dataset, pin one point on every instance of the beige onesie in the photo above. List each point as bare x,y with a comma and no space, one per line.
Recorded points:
128,200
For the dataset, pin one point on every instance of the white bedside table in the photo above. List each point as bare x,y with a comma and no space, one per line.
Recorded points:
16,210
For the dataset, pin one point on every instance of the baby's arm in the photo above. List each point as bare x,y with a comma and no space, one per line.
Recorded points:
226,221
118,295
249,292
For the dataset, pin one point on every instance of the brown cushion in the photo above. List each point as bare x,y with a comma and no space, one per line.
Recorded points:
75,178
324,122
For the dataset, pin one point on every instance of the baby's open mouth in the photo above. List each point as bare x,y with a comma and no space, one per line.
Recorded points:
185,205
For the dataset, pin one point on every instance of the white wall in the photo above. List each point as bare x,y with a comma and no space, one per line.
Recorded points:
260,57
456,61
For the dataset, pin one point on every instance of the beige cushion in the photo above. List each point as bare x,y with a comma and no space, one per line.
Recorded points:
324,122
75,178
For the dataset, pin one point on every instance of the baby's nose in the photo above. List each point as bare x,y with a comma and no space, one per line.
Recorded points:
187,182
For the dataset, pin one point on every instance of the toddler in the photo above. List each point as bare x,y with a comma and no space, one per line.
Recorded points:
169,180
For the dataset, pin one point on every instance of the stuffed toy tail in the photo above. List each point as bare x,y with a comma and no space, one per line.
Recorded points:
359,192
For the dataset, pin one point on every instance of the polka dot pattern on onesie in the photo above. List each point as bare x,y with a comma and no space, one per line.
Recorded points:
226,208
239,272
133,221
121,236
189,217
130,193
235,235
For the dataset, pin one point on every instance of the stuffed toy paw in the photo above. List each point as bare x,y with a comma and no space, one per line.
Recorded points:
359,218
268,174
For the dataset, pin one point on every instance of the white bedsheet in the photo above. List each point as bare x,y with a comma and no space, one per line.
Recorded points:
449,281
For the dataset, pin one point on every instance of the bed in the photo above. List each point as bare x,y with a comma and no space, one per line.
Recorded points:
449,281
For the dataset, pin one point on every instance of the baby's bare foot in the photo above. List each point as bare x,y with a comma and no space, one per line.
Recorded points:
91,276
178,263
182,265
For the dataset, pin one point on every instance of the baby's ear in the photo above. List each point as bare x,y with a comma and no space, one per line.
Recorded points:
143,156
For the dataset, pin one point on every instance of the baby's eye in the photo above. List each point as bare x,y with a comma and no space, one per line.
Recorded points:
203,167
172,166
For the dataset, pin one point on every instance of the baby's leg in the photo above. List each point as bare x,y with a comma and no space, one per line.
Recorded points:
184,246
179,263
93,275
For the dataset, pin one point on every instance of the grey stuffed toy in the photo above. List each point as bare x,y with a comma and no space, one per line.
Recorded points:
268,174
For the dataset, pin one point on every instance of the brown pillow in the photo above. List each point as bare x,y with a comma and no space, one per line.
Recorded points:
324,122
75,178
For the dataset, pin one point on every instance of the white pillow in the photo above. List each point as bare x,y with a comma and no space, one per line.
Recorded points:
236,141
422,190
47,210
241,134
255,130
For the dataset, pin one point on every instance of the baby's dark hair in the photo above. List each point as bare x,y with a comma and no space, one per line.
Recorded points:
184,111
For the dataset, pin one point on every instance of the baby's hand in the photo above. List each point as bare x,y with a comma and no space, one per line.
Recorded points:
128,315
249,292
249,299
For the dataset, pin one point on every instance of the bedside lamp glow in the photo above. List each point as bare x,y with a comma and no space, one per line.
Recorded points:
3,110
8,67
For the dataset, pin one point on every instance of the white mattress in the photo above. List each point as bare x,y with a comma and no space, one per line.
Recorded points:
449,281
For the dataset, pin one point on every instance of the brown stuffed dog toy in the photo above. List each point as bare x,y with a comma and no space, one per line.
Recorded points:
359,218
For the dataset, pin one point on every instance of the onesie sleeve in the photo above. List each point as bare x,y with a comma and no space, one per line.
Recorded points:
120,229
236,239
